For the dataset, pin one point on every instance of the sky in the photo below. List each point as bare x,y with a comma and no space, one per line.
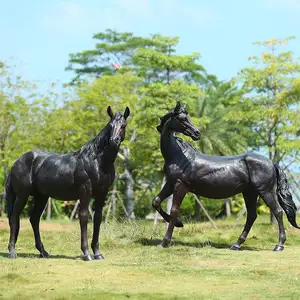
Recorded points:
38,35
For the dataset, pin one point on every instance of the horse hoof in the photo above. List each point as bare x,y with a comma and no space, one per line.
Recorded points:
12,255
87,257
162,245
278,248
99,257
45,254
235,247
179,223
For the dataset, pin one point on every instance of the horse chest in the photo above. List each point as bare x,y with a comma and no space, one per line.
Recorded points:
106,178
175,171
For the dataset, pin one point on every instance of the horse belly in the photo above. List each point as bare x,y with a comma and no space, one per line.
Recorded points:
57,185
60,190
218,191
221,185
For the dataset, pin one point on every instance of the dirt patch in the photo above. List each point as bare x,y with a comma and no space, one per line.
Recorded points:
46,226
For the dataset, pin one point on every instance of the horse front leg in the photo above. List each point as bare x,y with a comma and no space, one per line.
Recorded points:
99,203
83,219
178,195
166,191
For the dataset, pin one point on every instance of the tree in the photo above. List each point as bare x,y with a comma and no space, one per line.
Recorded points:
219,136
20,112
270,103
151,58
112,47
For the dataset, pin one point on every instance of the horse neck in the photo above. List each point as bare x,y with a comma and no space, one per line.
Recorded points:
95,147
107,153
108,156
168,144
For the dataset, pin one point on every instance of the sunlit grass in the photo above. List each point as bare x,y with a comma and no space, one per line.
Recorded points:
198,265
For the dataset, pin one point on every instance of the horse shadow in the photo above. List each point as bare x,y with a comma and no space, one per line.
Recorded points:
218,245
33,255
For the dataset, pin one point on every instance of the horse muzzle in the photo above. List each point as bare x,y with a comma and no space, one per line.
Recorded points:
196,136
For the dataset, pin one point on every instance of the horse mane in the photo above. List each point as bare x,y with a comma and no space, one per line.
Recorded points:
98,143
95,145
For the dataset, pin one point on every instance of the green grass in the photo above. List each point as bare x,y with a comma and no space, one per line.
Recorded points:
198,265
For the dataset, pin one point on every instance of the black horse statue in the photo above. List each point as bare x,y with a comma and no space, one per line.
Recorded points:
87,173
188,170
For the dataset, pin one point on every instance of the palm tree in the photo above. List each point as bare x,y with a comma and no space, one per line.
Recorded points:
218,136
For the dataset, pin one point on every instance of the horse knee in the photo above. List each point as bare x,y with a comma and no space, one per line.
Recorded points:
278,212
84,215
156,202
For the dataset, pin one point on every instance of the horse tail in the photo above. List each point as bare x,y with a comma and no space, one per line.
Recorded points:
10,196
285,197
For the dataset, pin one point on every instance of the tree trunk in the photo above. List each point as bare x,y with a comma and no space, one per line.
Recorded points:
5,171
129,185
271,157
49,209
197,211
228,207
113,199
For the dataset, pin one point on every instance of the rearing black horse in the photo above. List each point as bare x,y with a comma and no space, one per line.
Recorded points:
87,173
188,170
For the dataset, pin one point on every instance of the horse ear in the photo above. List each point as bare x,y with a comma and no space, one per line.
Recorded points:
110,112
127,112
177,107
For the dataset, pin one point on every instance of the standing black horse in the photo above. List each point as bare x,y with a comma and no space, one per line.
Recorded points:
188,170
87,173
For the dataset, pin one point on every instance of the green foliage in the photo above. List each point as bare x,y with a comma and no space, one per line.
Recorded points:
219,136
151,58
270,103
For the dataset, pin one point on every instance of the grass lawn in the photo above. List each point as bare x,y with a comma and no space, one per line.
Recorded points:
198,265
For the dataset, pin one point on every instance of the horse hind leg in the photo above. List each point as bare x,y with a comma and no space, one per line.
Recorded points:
250,202
271,200
40,202
178,196
14,223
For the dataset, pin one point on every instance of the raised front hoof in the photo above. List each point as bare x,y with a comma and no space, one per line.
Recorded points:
87,257
12,255
44,254
98,257
178,223
278,248
235,247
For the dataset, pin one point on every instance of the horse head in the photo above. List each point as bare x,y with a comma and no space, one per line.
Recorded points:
117,125
177,120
